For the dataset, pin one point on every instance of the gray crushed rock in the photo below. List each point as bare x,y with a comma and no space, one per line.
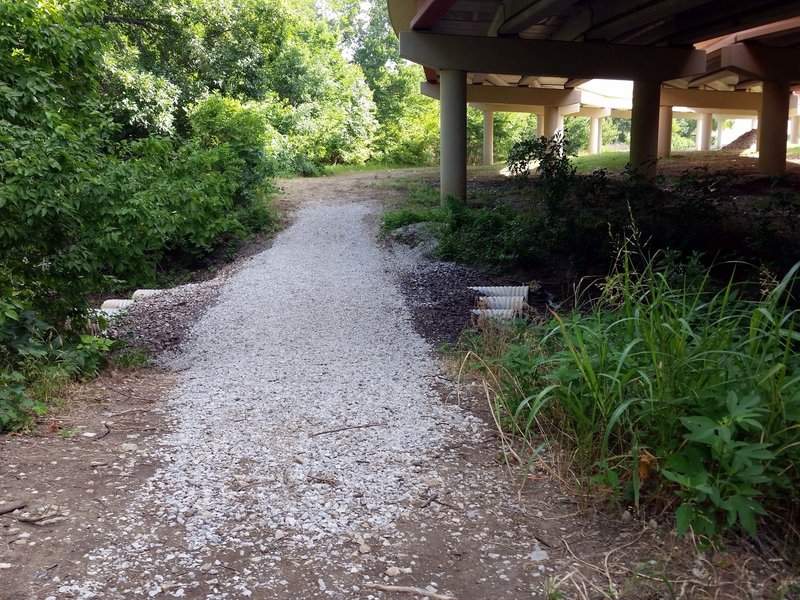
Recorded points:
310,337
160,323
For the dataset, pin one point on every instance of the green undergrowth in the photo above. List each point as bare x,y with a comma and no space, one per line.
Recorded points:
38,361
664,392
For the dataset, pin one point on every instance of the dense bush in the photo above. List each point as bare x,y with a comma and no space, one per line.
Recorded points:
489,236
665,393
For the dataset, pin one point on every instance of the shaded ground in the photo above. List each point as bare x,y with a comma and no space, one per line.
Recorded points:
466,532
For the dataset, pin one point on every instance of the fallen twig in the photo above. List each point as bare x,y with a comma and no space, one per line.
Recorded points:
35,520
12,506
407,589
347,428
105,433
130,410
428,502
255,483
326,480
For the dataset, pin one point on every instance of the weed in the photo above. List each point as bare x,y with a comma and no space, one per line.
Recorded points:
65,433
400,218
129,357
663,392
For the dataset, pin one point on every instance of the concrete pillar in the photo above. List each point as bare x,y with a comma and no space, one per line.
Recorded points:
644,127
794,128
772,121
664,131
703,133
453,133
595,135
757,127
488,137
552,121
718,141
539,125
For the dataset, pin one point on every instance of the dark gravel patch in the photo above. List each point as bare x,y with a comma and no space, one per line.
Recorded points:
438,295
160,323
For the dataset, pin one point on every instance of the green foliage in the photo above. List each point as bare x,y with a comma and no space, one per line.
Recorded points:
667,392
395,219
489,236
36,361
576,131
128,357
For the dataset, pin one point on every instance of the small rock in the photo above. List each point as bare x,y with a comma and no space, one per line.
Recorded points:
393,571
128,447
5,565
538,554
626,516
364,549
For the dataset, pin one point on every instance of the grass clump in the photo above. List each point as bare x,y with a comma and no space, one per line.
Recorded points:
36,361
664,393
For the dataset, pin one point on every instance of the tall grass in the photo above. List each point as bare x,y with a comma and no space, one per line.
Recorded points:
665,391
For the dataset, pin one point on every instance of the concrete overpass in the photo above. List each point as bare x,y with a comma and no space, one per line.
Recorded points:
727,57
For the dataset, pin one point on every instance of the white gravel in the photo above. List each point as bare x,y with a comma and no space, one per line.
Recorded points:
310,336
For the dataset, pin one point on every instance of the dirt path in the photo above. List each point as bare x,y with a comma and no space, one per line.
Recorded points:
306,444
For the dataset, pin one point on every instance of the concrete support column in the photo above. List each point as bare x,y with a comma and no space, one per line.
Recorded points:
488,137
552,121
453,133
644,127
704,124
595,135
539,125
664,131
794,130
757,127
720,122
772,121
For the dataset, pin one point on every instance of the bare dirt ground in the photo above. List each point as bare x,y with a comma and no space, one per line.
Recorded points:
475,532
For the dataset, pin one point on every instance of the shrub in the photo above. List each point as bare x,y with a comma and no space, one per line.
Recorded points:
36,361
490,236
667,393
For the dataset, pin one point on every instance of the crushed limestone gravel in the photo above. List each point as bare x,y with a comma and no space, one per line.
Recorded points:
305,400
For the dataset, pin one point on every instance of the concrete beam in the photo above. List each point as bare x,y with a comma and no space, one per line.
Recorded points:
595,129
488,137
429,12
536,109
703,141
710,99
644,127
664,131
522,14
772,126
552,122
492,94
569,109
763,62
593,112
453,134
548,58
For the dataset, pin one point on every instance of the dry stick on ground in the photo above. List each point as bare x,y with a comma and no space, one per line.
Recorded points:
105,433
35,520
131,410
347,428
407,589
12,506
255,483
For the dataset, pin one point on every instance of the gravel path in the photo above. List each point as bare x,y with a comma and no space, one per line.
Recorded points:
309,337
